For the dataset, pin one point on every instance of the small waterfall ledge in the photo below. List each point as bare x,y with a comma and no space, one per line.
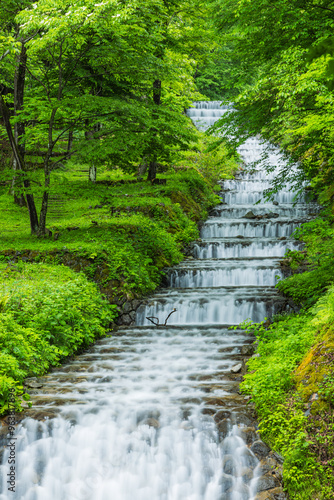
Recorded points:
154,413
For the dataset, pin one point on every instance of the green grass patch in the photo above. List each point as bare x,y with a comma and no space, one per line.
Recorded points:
136,228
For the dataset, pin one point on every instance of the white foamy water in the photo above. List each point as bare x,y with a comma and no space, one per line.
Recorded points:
221,273
153,412
131,422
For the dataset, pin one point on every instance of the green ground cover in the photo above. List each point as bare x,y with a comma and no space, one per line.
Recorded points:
291,378
47,312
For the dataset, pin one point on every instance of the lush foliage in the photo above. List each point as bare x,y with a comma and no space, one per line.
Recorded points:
98,82
120,232
134,227
291,382
291,376
211,158
316,261
47,312
282,81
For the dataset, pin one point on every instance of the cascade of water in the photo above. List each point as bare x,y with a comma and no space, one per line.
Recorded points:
154,413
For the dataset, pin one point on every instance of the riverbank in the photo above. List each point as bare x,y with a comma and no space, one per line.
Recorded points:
111,241
291,377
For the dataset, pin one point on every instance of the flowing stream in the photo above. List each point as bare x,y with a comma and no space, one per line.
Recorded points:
154,413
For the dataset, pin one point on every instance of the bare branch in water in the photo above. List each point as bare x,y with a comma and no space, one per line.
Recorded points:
151,318
156,323
173,311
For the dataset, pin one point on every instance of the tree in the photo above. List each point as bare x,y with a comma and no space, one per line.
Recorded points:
13,65
285,82
106,82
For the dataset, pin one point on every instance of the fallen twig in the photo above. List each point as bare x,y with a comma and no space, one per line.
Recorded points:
156,323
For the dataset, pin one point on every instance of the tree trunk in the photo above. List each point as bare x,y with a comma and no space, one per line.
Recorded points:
31,207
142,167
157,92
42,231
92,173
19,127
70,141
152,170
45,199
42,216
20,163
152,167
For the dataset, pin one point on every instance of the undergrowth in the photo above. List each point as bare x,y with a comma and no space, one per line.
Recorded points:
291,379
307,287
47,313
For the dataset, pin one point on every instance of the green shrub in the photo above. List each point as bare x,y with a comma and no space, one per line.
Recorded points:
294,353
307,287
60,305
47,312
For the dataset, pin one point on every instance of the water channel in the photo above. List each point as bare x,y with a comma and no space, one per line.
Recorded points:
154,413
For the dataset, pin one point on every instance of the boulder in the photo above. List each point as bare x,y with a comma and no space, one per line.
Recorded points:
249,215
247,350
260,449
276,456
274,494
271,215
151,422
33,383
223,428
221,415
242,418
249,435
229,466
226,482
236,368
268,464
246,475
267,482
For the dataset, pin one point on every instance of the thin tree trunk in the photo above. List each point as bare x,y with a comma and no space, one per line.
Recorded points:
20,162
70,141
19,127
152,171
157,92
92,173
89,135
152,167
142,167
43,213
47,176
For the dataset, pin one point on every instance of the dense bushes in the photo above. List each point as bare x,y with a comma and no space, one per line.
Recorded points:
290,383
291,379
47,312
317,261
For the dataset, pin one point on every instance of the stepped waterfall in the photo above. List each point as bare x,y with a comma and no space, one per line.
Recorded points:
154,412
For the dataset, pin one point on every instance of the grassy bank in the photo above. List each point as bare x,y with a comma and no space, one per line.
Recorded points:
291,377
115,237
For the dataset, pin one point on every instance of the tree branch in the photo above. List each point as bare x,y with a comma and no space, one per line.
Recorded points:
4,55
323,8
